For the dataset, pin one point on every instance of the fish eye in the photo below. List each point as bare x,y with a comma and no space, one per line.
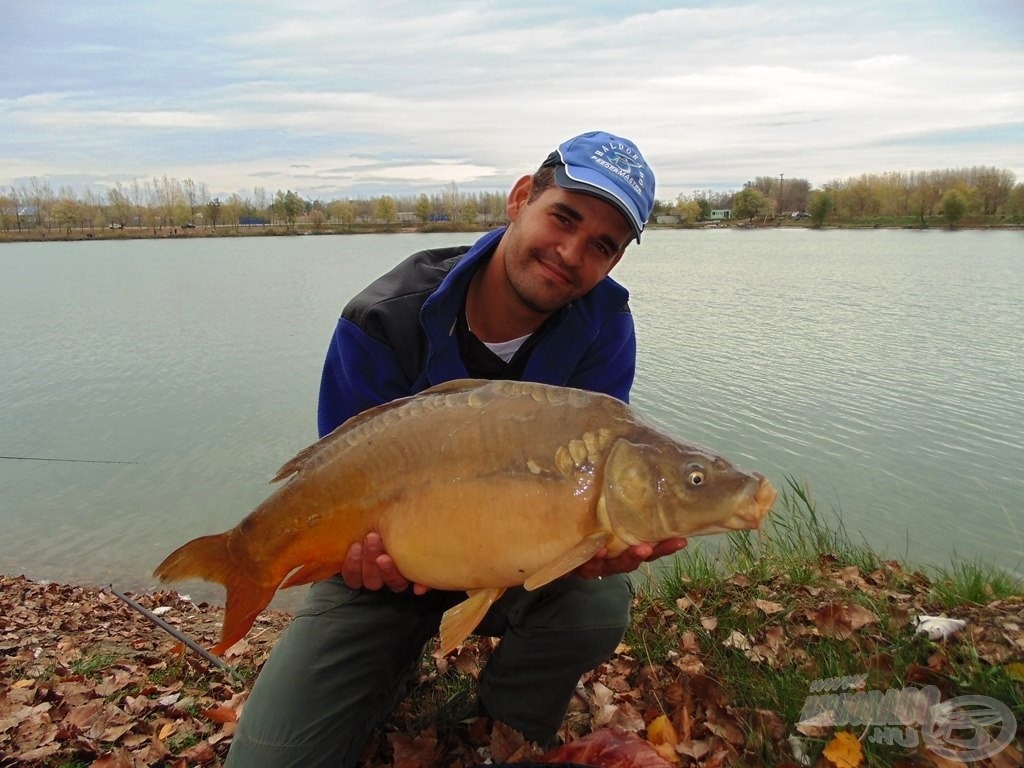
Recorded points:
696,477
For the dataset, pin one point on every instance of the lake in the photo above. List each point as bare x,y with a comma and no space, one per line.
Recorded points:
883,368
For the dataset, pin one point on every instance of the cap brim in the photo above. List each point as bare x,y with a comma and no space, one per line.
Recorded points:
595,183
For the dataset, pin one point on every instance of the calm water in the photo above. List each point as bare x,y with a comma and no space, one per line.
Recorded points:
884,368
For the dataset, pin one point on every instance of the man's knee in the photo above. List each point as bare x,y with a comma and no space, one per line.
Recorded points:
552,639
586,604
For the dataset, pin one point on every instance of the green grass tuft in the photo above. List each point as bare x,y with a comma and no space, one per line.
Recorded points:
973,581
90,665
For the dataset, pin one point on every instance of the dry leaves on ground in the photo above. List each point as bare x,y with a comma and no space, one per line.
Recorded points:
85,678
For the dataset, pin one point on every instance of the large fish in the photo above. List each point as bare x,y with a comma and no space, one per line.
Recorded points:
475,486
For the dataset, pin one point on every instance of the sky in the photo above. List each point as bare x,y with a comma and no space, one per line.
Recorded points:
355,99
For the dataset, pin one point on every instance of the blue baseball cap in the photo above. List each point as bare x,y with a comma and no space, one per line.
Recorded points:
609,167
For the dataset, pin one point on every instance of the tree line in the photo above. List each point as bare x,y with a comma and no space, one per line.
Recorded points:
163,202
981,192
166,202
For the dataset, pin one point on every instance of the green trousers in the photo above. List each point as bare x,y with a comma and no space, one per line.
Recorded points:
342,665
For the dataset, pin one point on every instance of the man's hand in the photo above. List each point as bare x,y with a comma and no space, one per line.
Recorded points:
629,560
368,566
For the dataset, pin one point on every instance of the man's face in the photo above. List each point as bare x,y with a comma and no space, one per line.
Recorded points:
560,245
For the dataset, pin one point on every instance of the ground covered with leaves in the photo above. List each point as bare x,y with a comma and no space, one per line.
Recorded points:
713,673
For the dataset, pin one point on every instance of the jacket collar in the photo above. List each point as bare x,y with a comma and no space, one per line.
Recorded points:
578,322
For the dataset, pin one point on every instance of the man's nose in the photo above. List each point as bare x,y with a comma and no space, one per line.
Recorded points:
571,250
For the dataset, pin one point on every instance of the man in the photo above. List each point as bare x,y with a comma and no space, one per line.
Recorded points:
530,301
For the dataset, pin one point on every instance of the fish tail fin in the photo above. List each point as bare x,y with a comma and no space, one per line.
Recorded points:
206,558
210,559
244,603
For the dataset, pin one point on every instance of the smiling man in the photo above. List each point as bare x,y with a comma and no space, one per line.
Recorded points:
531,301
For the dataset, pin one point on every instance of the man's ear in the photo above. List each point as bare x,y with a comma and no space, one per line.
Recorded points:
518,197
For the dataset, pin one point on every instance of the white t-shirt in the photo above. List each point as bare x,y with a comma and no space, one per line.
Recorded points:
506,350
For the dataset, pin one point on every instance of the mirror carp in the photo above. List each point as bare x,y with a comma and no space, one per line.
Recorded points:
474,486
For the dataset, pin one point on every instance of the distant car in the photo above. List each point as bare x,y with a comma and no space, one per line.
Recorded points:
188,225
799,215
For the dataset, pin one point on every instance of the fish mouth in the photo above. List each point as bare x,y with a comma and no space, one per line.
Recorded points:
765,496
753,514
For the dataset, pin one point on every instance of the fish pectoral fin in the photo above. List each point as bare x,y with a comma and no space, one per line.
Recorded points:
311,572
571,560
460,620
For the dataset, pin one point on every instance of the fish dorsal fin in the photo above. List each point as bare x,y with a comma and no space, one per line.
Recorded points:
460,620
569,561
299,460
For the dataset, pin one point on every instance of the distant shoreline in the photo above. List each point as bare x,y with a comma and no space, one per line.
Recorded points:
181,233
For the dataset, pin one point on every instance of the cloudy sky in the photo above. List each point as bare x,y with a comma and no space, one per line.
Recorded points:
336,99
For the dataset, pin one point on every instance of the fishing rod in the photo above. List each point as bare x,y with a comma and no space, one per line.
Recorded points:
76,461
179,635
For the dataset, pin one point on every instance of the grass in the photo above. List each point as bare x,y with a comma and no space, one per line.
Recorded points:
183,741
769,591
93,663
973,581
444,701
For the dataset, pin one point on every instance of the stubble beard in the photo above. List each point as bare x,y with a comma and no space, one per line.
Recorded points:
528,288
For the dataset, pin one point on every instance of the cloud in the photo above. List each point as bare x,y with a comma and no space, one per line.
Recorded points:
394,97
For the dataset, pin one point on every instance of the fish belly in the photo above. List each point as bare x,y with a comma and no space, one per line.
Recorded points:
485,532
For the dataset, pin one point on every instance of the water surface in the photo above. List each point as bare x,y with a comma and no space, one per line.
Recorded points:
883,368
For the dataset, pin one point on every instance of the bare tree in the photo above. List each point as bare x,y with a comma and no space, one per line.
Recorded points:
191,197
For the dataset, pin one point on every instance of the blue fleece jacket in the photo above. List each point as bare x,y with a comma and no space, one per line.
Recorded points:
397,337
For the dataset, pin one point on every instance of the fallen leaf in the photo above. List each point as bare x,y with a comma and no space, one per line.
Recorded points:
695,748
199,754
119,759
844,751
412,752
220,714
609,748
39,753
662,734
115,732
738,641
238,649
691,664
839,620
684,603
507,744
84,716
688,642
768,607
725,729
169,700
